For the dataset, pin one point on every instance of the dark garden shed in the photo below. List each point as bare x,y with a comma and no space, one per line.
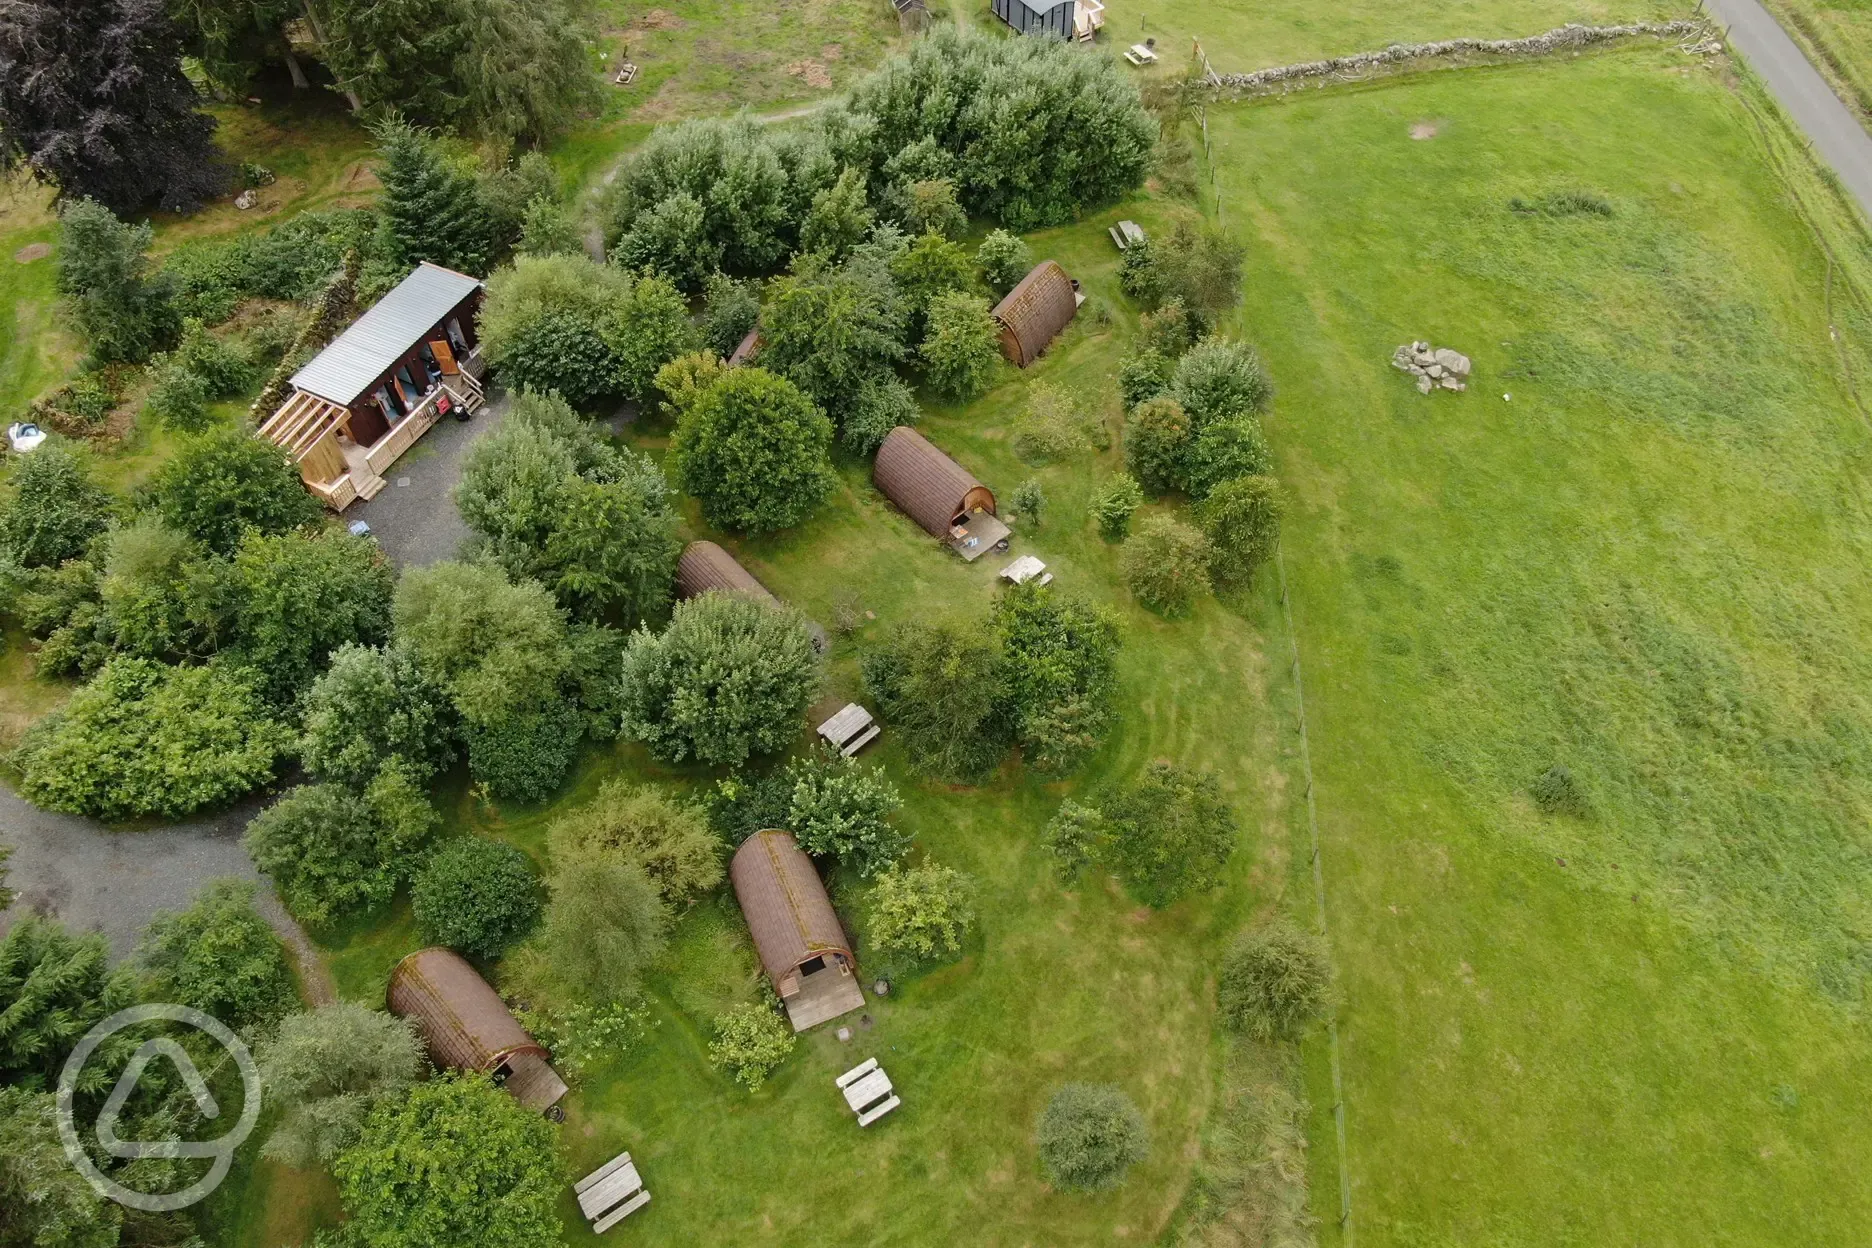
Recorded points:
1038,17
1035,311
801,944
938,493
705,566
468,1027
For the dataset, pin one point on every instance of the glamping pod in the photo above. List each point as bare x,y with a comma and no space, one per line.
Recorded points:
705,566
1041,305
938,493
802,947
468,1027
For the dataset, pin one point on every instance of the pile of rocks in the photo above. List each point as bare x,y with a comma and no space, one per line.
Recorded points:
1441,367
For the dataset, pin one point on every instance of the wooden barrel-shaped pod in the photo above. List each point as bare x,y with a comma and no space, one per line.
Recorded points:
931,488
468,1027
1041,305
705,566
787,910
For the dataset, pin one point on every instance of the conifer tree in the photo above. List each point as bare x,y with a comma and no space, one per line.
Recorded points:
432,209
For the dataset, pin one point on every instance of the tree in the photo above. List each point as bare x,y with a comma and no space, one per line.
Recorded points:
56,508
670,840
672,239
526,755
225,483
921,914
220,957
1170,832
930,206
54,987
962,347
731,676
545,325
370,705
476,895
938,686
326,1070
1200,268
547,229
223,366
828,330
1218,379
331,852
145,739
121,306
729,310
1168,331
430,208
1089,1135
649,327
927,269
1060,672
1115,503
605,925
44,1201
300,596
497,648
844,810
755,452
457,1163
1166,564
879,405
162,596
93,101
1241,519
839,218
751,1041
1157,442
1225,450
1003,260
1029,499
178,400
1074,835
1276,982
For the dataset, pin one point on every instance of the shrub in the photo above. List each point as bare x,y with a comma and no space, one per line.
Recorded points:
739,806
1157,443
1556,792
729,677
930,206
1029,500
1227,449
751,1041
1170,832
525,755
1241,518
162,597
1166,564
729,310
1167,332
1114,505
227,482
1059,673
605,925
221,957
597,652
476,895
56,507
921,914
546,229
1089,1135
1276,982
672,239
1054,425
221,366
145,739
373,703
300,596
331,852
839,217
937,686
1074,835
1003,260
842,809
671,841
1217,379
754,451
326,1070
880,405
178,399
1199,267
649,327
961,349
545,325
1144,375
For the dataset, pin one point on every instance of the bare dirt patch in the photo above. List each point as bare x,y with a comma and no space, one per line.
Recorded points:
812,73
661,19
1423,130
831,52
31,252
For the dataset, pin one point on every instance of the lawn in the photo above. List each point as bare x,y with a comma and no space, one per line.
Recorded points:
1837,36
1631,549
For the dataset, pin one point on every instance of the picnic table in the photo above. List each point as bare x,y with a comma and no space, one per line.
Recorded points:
1140,55
1025,569
1127,234
850,730
868,1091
611,1193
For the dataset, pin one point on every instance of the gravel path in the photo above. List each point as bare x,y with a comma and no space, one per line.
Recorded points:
416,523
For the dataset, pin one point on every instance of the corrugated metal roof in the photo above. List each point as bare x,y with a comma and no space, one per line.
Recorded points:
382,335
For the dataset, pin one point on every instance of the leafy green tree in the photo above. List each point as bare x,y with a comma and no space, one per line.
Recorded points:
1171,832
144,739
303,595
332,852
927,269
370,705
44,1201
670,840
751,1042
740,806
221,957
1144,375
729,677
524,72
1276,982
1074,835
496,648
1030,501
430,207
649,327
1060,668
54,987
163,598
222,366
1003,260
326,1070
1225,450
56,507
178,399
1157,445
476,895
525,756
547,229
962,347
1241,518
829,330
1166,564
597,652
672,239
1168,331
120,304
546,325
930,206
921,914
1198,267
840,217
686,378
1089,1135
605,925
1218,379
1114,505
843,810
457,1163
938,687
879,405
729,310
224,483
755,451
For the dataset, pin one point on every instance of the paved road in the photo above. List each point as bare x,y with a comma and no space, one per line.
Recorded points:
417,523
1837,136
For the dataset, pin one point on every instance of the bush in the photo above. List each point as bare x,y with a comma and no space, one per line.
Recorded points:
650,327
937,686
145,739
1089,1135
225,483
1114,505
56,507
921,914
1054,425
1059,673
729,677
729,310
1556,792
545,325
880,405
605,925
370,705
930,206
496,648
754,451
1199,267
1029,501
1157,443
1241,518
671,239
1167,332
1227,449
961,350
1276,982
740,806
326,1070
222,367
525,755
178,399
751,1041
546,229
1003,260
1144,375
1074,835
477,896
221,957
670,840
1170,832
331,852
1218,379
299,597
1166,564
841,809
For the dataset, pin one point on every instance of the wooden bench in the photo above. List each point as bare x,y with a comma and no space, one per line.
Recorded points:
850,730
611,1193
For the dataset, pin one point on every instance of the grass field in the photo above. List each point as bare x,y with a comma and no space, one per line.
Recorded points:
1643,1024
1837,36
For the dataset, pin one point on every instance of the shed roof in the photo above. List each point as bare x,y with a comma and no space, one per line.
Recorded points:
785,902
1035,311
705,566
385,333
464,1022
929,486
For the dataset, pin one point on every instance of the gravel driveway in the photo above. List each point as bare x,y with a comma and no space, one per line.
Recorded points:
416,523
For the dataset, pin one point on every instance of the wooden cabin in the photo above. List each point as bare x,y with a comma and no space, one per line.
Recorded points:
468,1027
1040,306
365,399
704,566
802,947
1078,20
938,493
